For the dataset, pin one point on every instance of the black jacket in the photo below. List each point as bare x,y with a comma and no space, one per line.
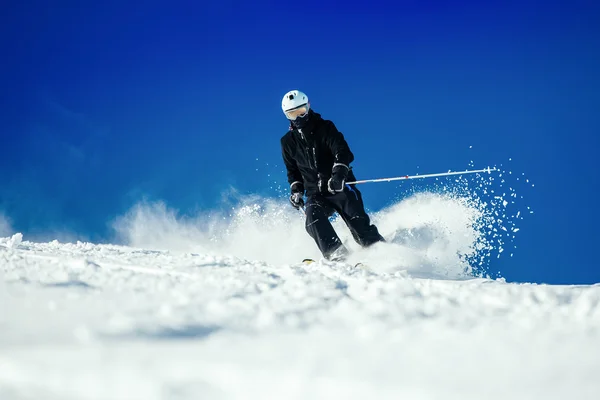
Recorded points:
309,154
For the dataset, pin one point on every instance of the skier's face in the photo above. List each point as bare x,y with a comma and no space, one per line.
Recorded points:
301,120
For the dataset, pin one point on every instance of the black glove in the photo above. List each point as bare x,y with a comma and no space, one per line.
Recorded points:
338,178
296,198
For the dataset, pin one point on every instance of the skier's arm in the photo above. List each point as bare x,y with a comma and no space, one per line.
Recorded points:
293,173
338,145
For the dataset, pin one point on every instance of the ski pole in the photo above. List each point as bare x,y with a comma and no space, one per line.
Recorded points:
398,178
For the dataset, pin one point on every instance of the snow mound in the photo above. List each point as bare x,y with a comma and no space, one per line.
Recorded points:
84,321
13,241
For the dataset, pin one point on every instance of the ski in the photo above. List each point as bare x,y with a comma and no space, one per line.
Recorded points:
308,261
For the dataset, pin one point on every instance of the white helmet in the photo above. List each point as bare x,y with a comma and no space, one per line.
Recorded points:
295,104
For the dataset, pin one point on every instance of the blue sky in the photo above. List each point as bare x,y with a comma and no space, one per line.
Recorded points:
104,103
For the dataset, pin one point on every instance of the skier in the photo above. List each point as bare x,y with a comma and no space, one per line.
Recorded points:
317,159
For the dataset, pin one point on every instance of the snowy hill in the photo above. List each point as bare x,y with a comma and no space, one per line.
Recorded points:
212,316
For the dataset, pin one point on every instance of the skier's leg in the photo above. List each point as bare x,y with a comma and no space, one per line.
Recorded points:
318,210
350,206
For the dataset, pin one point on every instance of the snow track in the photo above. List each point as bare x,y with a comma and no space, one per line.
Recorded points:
83,321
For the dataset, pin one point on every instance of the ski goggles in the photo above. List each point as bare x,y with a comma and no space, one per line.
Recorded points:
294,113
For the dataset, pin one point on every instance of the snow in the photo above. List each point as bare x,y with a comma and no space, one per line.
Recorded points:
220,307
5,228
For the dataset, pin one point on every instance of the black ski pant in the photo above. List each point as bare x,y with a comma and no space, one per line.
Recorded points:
349,205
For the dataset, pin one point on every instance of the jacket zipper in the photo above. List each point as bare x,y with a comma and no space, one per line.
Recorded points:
308,155
308,158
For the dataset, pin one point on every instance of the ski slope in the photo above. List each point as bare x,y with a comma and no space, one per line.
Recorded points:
218,310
